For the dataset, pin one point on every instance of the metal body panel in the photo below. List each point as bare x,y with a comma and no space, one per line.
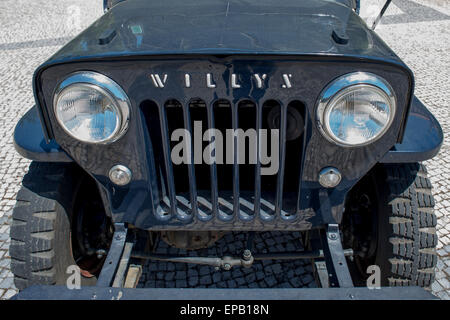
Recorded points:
96,293
422,139
30,142
226,27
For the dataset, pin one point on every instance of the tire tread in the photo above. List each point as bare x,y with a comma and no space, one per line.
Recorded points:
33,227
413,225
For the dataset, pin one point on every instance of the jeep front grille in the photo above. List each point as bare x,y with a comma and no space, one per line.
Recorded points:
227,192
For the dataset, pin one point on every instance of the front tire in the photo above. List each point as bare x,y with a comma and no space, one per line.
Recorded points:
396,228
42,235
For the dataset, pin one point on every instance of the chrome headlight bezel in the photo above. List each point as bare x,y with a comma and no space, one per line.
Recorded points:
343,85
105,86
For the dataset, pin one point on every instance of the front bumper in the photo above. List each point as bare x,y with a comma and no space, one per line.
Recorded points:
96,293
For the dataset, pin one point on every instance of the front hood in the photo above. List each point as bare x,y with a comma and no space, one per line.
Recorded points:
293,27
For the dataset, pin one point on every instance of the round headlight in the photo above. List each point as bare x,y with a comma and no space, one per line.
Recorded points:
92,108
356,109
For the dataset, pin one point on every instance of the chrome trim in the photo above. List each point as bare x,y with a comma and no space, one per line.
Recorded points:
287,81
106,86
340,86
209,81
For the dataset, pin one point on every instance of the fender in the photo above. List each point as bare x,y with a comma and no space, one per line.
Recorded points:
422,139
30,142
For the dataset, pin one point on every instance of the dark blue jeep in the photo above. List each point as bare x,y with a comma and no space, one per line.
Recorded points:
182,121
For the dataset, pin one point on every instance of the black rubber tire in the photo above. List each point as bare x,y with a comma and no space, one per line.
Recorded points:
41,247
406,248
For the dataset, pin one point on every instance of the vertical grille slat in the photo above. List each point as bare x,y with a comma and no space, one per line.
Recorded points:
257,201
235,124
167,159
302,159
282,153
213,167
191,168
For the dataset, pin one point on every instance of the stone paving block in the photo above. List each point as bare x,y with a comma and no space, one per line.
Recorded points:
300,270
206,279
237,272
193,281
270,281
192,272
181,283
232,283
241,281
169,276
216,277
445,283
180,275
251,277
226,275
6,283
4,273
170,267
204,270
436,287
447,271
277,269
180,267
296,282
259,275
307,278
150,283
160,275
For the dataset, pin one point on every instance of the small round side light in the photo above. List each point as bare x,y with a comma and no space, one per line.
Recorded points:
120,175
329,177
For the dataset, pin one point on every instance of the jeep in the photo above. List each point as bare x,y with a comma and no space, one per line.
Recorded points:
182,121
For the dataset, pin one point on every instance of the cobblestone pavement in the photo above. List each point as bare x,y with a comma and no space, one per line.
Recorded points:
262,274
32,31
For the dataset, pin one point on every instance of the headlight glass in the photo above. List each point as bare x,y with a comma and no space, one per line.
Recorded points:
356,111
92,108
